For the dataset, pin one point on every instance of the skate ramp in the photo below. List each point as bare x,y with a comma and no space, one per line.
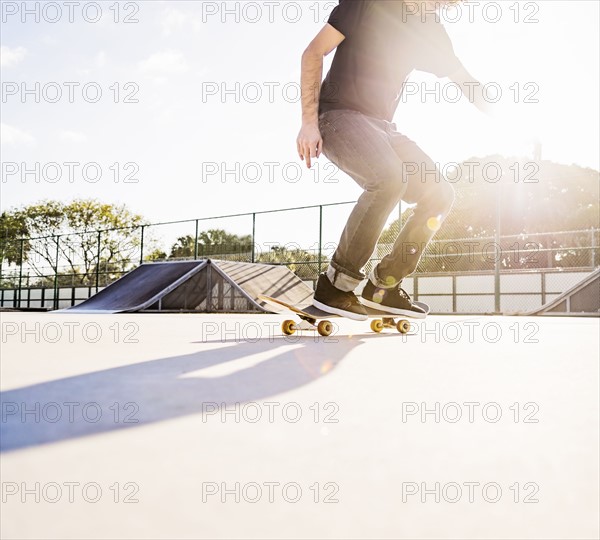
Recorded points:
207,286
581,299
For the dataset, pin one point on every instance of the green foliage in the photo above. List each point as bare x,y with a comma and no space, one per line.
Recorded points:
211,243
533,197
303,263
155,255
14,244
220,243
51,218
71,231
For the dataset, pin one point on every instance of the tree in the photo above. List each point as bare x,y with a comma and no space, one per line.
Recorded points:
14,243
303,263
183,248
156,255
85,234
210,243
536,200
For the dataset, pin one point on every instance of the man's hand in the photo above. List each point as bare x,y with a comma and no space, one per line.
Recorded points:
310,143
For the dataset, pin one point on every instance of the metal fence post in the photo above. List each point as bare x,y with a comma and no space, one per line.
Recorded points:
142,245
543,274
57,239
98,261
320,238
454,302
498,251
196,242
593,244
20,272
253,236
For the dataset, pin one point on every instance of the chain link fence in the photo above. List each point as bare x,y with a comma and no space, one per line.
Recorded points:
303,239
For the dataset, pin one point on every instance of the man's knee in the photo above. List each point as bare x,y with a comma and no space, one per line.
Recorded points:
389,185
441,198
447,196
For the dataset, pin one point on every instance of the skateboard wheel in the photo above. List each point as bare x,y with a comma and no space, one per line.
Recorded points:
325,328
377,325
288,327
403,327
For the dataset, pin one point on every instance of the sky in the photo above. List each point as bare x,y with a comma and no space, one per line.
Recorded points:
190,109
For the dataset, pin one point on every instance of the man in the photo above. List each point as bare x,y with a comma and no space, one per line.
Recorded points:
379,43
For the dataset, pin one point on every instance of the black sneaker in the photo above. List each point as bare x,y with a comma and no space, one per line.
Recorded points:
330,299
395,300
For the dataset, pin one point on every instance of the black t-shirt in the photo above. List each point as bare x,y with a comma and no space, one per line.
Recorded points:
384,42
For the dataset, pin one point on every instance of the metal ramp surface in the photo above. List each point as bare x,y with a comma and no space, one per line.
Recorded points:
581,299
208,286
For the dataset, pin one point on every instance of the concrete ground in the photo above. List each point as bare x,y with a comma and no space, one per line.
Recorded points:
202,426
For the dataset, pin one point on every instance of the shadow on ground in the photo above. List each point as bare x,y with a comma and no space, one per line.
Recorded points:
148,392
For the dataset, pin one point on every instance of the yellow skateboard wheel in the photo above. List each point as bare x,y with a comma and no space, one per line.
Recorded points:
377,325
403,326
288,327
325,328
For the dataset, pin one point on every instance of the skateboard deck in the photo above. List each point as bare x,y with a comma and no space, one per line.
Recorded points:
319,319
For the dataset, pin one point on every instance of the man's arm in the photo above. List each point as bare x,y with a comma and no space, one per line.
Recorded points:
472,89
309,140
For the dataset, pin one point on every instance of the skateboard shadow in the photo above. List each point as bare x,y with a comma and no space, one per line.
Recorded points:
148,392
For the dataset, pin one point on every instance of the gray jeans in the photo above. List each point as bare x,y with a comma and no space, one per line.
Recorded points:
389,167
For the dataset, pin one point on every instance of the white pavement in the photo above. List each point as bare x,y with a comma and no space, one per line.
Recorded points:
202,426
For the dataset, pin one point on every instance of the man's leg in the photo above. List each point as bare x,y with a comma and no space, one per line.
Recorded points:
360,146
433,196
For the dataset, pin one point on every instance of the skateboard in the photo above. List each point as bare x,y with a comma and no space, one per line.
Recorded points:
319,319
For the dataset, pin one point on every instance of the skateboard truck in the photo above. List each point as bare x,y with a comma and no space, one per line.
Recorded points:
325,327
313,318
